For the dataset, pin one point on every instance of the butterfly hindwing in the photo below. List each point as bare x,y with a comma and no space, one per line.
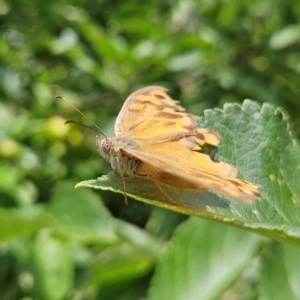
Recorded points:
186,175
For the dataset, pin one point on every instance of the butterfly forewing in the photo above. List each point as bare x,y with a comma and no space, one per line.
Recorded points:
168,148
151,113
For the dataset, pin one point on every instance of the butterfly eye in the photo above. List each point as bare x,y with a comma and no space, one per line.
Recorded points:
107,145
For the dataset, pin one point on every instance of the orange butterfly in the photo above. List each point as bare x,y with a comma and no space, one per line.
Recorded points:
156,139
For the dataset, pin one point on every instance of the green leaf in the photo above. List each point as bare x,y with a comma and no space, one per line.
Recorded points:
259,144
15,222
256,140
203,260
121,263
137,237
81,216
53,267
285,37
280,272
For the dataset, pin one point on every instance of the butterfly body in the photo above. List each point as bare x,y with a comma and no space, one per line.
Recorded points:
155,138
110,149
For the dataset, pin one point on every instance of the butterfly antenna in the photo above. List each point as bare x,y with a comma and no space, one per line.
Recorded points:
75,122
70,121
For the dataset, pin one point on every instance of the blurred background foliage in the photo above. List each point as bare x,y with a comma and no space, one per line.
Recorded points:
57,242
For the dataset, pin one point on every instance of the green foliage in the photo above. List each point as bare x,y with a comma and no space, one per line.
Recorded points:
57,242
216,265
279,272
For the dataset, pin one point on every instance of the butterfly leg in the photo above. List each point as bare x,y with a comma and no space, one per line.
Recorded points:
123,180
162,190
159,187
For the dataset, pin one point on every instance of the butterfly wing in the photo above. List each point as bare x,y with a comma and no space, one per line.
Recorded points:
171,149
193,171
150,114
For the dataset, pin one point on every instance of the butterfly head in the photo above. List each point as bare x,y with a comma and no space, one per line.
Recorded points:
105,147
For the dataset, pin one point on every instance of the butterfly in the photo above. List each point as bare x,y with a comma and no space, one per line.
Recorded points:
155,138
